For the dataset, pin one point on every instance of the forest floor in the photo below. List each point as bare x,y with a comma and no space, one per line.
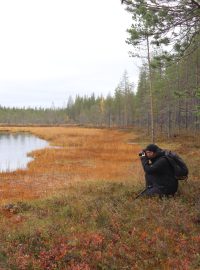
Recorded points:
74,208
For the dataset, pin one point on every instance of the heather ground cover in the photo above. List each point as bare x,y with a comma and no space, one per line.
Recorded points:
74,207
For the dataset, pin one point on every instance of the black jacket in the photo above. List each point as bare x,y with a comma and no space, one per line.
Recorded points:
160,173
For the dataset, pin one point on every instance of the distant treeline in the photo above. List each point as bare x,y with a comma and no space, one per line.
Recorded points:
176,100
38,116
114,110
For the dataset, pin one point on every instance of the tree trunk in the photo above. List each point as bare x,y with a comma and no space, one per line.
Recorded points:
150,92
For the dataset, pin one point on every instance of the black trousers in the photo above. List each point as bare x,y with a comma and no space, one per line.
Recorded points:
149,180
152,189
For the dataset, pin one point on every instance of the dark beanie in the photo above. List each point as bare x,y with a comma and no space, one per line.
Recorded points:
152,147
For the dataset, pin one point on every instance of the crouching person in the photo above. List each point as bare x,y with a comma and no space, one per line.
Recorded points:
159,174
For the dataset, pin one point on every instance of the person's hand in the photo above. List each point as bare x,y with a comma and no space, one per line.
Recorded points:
142,154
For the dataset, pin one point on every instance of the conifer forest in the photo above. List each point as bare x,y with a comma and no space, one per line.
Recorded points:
165,35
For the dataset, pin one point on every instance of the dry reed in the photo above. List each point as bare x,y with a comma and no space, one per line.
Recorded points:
76,154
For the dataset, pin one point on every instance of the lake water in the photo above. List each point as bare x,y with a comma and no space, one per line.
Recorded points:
14,148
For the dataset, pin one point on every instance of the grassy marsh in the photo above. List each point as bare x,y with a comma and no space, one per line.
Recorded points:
73,207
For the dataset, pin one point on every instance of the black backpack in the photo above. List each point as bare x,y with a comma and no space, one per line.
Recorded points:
180,168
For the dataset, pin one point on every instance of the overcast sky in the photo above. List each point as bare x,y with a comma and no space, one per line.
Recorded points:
51,49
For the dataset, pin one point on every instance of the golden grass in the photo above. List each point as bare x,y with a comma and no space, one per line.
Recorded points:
77,154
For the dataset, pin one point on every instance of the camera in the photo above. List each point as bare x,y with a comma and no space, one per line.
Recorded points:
142,154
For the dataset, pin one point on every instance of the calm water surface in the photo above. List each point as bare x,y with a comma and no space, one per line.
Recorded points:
14,148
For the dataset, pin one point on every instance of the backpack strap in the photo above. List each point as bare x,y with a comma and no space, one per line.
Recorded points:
169,161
